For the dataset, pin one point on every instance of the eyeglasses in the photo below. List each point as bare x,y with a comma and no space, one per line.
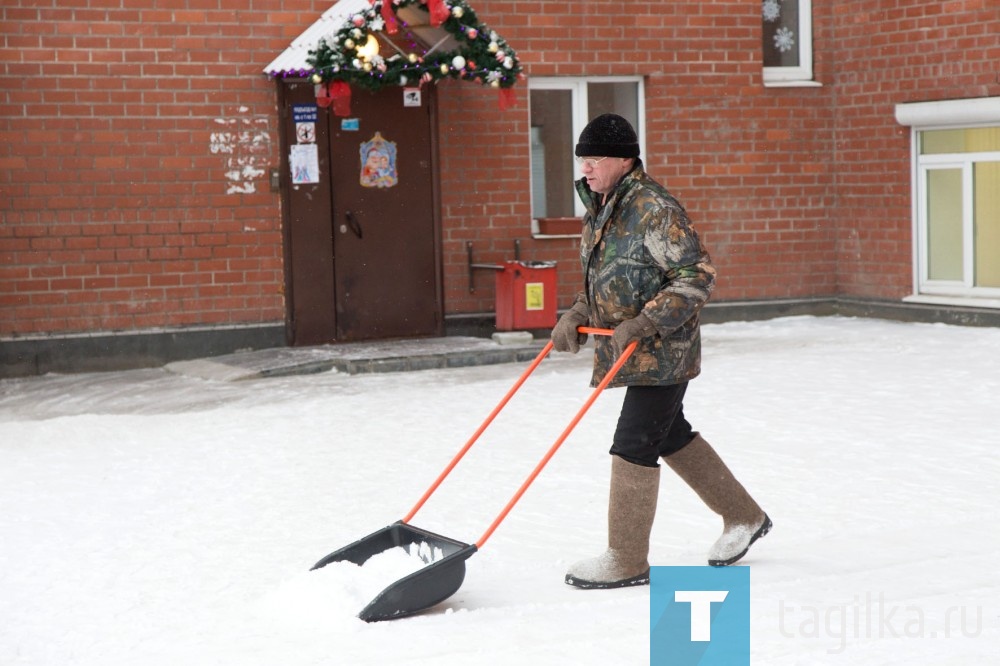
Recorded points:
589,161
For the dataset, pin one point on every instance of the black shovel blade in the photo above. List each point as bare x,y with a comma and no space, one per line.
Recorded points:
419,590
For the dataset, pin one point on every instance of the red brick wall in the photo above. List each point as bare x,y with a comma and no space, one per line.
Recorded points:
751,164
126,131
892,52
485,197
797,192
118,125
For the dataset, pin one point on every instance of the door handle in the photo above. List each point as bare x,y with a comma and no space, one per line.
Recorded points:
353,223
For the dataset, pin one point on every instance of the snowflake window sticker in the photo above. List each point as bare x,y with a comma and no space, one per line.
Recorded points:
784,40
772,10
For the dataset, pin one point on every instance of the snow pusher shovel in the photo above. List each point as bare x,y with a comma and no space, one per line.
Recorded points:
442,576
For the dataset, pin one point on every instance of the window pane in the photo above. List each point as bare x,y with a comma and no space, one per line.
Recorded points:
980,139
621,98
552,145
781,38
986,177
944,224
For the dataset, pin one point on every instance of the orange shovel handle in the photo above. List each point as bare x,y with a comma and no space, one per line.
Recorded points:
552,450
595,331
572,424
475,436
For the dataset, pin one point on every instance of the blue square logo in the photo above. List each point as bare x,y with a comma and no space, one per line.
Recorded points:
699,616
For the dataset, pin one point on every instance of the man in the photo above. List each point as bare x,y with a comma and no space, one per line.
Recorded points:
647,276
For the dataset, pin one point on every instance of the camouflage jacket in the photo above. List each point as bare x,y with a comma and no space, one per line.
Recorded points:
640,254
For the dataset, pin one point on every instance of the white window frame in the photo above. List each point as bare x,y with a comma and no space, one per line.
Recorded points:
581,115
924,284
951,114
802,75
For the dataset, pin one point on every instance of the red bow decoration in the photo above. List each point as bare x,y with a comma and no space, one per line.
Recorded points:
508,98
439,12
340,96
337,93
389,17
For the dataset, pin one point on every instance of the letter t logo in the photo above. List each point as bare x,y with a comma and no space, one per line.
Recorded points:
701,610
699,616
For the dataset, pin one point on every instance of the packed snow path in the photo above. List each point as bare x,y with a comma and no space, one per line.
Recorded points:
148,518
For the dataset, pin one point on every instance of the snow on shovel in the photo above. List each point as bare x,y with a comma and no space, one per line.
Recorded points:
442,576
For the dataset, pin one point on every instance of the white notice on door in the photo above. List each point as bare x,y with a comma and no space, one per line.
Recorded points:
304,161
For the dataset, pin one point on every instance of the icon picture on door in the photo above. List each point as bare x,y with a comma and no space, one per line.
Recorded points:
378,162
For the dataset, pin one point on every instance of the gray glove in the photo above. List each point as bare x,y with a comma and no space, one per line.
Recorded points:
565,337
637,328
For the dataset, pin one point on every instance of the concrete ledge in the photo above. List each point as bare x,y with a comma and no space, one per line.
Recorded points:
358,358
851,307
919,312
126,351
720,312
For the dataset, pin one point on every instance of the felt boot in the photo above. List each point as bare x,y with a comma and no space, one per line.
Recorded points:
631,508
743,521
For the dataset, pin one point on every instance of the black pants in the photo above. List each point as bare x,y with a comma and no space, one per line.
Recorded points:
651,424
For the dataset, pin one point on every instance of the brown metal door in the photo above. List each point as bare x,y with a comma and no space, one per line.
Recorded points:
385,258
361,248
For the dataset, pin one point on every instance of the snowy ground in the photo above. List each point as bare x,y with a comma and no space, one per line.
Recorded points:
150,518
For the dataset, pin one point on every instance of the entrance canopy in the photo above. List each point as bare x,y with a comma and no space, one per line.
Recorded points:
377,43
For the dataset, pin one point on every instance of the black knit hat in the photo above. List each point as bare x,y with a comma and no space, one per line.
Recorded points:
608,135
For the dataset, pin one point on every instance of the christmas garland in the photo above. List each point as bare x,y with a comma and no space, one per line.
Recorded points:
482,54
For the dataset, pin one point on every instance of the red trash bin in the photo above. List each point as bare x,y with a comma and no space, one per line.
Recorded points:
526,295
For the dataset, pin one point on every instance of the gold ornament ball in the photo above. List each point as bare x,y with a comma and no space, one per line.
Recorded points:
444,68
457,12
412,57
317,78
